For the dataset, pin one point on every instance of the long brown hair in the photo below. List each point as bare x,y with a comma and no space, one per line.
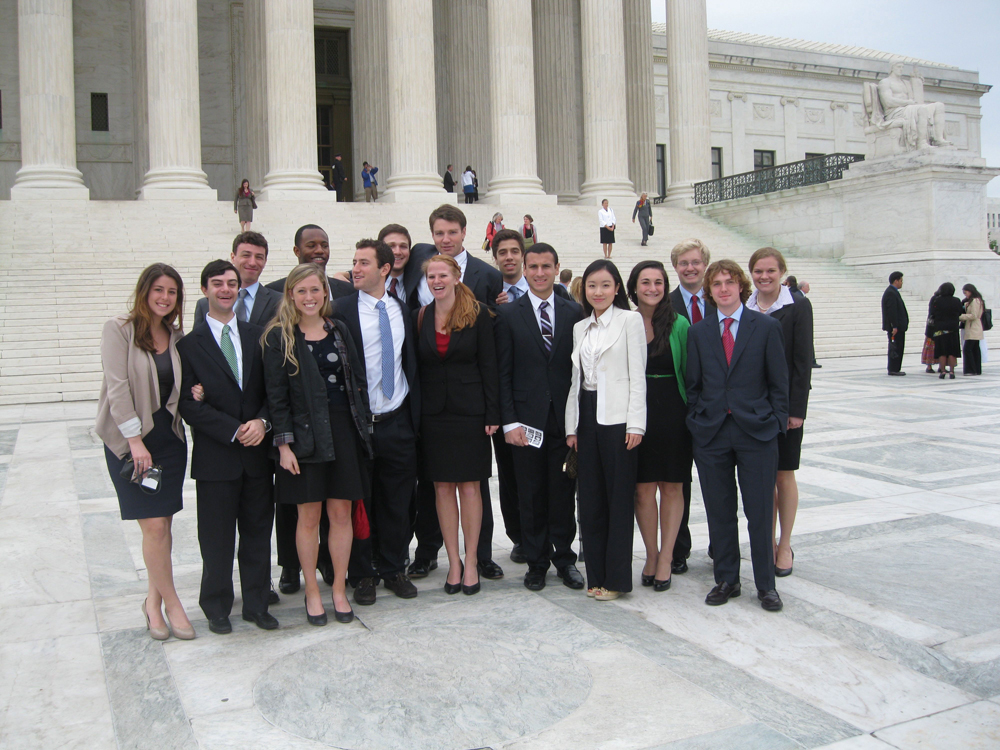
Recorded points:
466,308
288,314
663,314
139,314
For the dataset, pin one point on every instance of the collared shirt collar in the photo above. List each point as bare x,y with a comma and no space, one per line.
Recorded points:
536,300
252,290
605,320
521,284
700,294
735,316
784,298
368,299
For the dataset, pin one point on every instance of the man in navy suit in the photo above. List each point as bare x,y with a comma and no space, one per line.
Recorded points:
257,304
737,386
397,237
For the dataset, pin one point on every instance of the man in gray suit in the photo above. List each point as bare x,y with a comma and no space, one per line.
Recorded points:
256,304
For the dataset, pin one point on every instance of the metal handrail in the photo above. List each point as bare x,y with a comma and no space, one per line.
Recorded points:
794,174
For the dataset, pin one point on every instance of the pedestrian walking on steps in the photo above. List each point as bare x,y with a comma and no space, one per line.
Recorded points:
244,204
606,216
644,210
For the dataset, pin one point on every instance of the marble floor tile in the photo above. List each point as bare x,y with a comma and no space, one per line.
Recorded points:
934,502
861,742
747,737
972,727
986,514
246,728
854,485
43,562
975,649
988,492
858,513
47,621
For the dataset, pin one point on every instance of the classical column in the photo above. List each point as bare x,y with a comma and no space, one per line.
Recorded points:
173,103
48,120
512,94
742,161
290,51
370,105
557,96
639,94
412,126
687,92
790,116
254,56
605,129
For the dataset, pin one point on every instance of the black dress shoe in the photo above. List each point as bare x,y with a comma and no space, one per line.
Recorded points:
454,588
570,577
782,572
659,585
326,570
646,580
220,625
400,584
722,593
289,582
263,620
421,567
489,570
314,619
770,600
534,579
679,566
272,596
364,592
470,590
517,555
343,617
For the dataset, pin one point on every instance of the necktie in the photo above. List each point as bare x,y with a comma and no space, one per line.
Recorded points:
241,306
513,293
546,326
392,287
385,334
728,342
695,309
229,352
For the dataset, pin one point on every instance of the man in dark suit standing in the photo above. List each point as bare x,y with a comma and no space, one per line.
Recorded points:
534,337
689,258
737,386
312,245
448,226
229,462
257,304
338,176
895,321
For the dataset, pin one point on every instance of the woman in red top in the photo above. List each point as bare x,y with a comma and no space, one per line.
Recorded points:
495,225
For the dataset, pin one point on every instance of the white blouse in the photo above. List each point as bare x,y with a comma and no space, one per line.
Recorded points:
606,217
591,346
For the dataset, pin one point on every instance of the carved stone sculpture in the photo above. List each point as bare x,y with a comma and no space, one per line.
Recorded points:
897,117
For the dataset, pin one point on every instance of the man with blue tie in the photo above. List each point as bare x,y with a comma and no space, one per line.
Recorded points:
737,388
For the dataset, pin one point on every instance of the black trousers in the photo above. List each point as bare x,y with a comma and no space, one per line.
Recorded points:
972,358
682,546
394,476
546,495
644,223
286,518
606,473
223,507
428,530
507,477
730,454
896,350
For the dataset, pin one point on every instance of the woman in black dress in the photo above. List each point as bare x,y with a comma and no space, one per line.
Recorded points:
665,451
137,419
460,410
945,311
321,424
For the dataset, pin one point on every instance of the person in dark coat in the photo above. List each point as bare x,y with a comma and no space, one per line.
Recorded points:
945,311
895,321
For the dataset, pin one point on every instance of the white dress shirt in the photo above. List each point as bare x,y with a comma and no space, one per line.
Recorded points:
372,341
522,288
735,325
784,298
591,346
606,216
400,289
250,297
234,335
700,296
424,295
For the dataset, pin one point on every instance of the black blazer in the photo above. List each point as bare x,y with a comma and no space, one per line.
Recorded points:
345,310
464,381
754,386
338,287
894,313
797,331
677,300
485,281
215,420
530,379
265,307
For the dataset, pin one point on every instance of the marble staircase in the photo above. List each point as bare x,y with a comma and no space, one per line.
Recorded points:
67,266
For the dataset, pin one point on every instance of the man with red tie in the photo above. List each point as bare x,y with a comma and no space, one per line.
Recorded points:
737,388
397,237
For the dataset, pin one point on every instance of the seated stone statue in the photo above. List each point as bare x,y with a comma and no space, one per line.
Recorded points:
922,122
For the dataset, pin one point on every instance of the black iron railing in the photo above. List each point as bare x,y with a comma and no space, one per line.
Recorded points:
771,179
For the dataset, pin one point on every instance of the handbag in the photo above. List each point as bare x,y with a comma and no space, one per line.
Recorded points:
253,202
571,463
650,230
987,319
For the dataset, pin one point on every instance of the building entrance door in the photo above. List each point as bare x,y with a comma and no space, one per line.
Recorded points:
333,106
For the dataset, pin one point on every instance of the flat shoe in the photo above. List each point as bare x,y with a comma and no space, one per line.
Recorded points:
157,634
592,592
661,585
344,617
603,595
646,580
722,593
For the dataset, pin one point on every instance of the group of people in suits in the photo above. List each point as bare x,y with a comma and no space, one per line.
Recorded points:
355,416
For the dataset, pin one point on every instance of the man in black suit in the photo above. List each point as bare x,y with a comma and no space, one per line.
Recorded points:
395,408
397,237
312,245
257,304
338,176
689,258
895,321
534,335
737,387
229,461
448,226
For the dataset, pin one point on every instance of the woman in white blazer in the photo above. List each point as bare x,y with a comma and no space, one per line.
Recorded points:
605,422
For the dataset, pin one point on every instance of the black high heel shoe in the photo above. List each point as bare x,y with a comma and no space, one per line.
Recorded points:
454,588
659,585
315,619
647,580
469,590
782,572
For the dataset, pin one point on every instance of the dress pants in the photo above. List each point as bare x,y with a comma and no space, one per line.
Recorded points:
507,478
286,518
682,547
548,522
394,475
606,473
896,350
428,530
730,454
644,223
972,357
223,507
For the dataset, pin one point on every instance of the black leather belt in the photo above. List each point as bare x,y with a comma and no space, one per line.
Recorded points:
376,418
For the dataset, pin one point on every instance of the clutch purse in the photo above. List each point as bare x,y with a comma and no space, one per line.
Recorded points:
570,464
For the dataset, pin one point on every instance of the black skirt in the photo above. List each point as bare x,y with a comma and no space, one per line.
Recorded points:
607,236
790,449
454,448
665,453
344,478
169,452
947,344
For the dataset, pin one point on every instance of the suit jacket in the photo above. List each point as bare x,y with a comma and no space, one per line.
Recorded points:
485,281
345,310
465,380
677,300
216,456
265,307
894,313
797,331
530,378
753,387
621,374
338,287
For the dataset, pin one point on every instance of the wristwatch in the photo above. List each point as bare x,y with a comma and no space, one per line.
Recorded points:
267,425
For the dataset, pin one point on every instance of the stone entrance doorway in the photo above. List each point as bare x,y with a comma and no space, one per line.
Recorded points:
333,105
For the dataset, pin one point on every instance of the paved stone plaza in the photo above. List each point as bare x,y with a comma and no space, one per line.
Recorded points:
889,636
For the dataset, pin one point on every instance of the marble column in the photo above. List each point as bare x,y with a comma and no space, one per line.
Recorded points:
48,115
370,80
173,103
687,92
290,52
255,84
790,117
639,94
605,129
558,96
413,174
512,94
742,161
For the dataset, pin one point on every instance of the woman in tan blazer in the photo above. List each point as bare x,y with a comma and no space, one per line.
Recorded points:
137,419
972,355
